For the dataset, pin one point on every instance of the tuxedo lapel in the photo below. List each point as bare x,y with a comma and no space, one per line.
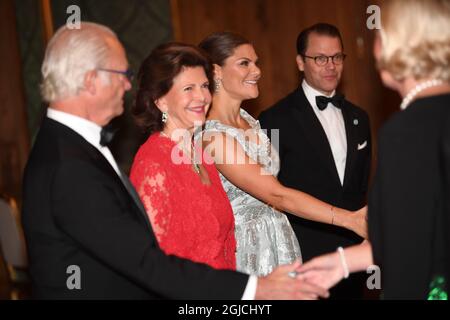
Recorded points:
98,160
127,183
351,124
124,181
313,130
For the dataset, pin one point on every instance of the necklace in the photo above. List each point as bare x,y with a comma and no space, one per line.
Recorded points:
194,163
417,89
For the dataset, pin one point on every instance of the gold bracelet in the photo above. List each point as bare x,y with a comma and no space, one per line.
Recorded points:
332,215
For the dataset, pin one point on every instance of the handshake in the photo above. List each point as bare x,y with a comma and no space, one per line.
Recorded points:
287,282
312,280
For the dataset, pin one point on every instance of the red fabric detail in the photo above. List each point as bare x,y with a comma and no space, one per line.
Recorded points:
190,219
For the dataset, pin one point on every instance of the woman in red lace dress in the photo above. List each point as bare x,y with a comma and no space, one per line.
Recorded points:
183,195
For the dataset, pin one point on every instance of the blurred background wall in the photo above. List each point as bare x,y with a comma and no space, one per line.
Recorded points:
272,26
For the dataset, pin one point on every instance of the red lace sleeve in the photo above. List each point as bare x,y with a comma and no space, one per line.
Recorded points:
149,179
155,178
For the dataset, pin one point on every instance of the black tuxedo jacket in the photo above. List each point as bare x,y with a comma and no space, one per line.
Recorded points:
77,211
307,164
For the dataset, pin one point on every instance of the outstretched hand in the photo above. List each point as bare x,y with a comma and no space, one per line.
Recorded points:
324,271
280,285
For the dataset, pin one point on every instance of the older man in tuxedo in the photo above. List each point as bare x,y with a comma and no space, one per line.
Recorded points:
80,212
324,143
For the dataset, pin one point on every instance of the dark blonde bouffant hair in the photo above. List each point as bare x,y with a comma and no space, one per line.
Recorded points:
156,76
415,39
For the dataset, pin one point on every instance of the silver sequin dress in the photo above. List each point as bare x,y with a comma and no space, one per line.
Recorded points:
264,236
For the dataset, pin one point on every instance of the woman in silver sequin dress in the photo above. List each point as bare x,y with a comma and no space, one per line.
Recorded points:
248,165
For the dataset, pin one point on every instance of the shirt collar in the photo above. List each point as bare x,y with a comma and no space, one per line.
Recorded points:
85,128
312,93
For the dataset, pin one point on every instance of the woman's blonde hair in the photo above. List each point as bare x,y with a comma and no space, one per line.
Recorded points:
415,39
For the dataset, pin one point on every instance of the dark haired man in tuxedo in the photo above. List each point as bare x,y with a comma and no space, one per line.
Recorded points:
324,144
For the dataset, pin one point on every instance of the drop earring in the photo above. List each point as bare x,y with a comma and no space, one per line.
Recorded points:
165,116
217,84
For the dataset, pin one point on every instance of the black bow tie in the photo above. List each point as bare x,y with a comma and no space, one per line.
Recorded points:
107,135
322,101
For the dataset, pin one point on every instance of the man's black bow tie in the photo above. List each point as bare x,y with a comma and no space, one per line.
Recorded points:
337,100
107,135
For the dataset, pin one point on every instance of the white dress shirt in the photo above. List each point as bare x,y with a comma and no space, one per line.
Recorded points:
90,131
333,124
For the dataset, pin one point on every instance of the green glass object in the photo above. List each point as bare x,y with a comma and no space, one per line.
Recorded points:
438,289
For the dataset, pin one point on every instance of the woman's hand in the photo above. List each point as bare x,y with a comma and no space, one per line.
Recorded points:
324,271
355,221
327,270
359,222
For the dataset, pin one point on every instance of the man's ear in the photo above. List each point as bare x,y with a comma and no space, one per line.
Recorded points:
90,82
300,63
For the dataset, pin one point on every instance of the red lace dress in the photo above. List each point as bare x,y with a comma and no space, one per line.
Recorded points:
190,219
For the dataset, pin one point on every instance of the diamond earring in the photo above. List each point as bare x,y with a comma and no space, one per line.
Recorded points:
217,84
165,116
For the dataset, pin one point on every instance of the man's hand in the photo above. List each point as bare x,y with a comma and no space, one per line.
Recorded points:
279,285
